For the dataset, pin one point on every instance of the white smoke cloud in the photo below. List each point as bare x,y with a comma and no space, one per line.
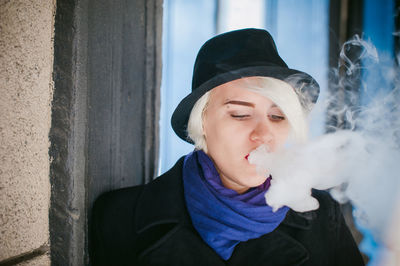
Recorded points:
360,164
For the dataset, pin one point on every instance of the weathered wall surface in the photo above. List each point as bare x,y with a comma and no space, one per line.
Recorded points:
37,261
26,63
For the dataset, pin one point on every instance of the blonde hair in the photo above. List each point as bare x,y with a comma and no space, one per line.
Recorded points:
280,92
195,123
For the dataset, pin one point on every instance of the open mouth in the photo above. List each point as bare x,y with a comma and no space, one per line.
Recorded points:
247,157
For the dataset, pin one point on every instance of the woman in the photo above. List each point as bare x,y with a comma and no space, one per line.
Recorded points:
209,209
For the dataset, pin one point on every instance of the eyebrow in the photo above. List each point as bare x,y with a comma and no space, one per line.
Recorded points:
240,103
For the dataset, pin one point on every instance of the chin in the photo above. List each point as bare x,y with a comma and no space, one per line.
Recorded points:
255,181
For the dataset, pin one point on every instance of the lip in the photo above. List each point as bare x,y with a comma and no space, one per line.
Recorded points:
247,157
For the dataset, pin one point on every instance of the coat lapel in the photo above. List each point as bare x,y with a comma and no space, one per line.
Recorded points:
275,248
162,201
278,247
299,220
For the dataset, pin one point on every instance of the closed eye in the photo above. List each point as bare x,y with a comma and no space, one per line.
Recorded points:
240,117
276,117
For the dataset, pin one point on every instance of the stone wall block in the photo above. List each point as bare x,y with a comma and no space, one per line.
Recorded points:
26,63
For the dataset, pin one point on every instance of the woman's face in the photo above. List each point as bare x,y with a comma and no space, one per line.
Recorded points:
236,122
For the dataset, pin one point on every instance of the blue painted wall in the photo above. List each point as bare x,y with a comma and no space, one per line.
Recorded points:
187,25
378,29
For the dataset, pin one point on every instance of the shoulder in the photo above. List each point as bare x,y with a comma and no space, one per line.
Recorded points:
324,221
111,225
331,217
116,206
324,229
323,197
118,215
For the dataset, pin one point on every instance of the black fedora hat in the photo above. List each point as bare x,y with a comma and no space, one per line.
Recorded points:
234,55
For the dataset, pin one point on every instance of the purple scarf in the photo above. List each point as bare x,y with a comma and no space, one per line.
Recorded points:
221,216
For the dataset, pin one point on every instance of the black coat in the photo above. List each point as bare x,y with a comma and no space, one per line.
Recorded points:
149,225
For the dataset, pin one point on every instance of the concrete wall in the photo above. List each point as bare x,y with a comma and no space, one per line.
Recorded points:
26,64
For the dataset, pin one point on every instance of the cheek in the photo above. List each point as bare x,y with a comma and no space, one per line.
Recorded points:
210,127
282,135
228,131
225,136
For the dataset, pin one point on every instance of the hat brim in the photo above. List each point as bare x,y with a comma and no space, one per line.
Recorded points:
182,112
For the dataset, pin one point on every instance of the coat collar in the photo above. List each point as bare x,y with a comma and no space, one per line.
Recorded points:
299,220
162,201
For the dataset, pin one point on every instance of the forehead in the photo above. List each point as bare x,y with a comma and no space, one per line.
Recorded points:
237,90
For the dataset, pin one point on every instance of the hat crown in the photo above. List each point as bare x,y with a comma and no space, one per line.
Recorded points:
234,50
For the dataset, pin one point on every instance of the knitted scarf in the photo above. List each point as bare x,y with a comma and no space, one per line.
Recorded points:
221,216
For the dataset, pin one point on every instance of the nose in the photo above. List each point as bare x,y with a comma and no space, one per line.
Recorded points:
262,133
